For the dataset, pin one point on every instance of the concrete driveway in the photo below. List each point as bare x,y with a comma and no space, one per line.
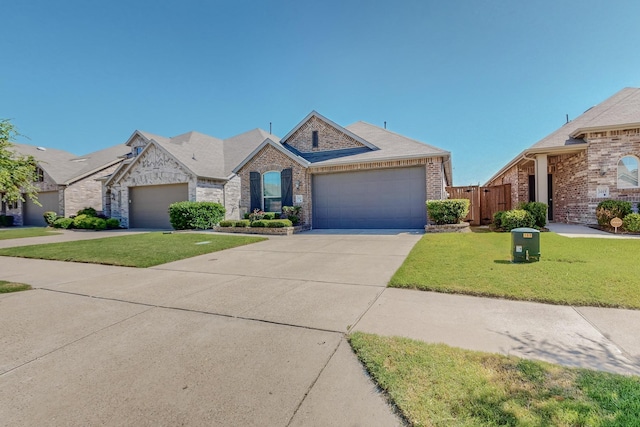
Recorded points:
248,336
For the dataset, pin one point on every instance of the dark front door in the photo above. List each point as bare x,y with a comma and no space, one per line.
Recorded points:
550,195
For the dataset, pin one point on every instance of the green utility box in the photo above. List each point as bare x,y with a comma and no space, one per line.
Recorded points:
525,245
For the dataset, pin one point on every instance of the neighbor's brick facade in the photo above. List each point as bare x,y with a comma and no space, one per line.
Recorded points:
577,176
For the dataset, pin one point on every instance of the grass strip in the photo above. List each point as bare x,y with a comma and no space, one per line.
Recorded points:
575,271
19,233
6,287
137,250
438,385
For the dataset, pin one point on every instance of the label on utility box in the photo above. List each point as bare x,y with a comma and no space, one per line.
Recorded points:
527,235
518,248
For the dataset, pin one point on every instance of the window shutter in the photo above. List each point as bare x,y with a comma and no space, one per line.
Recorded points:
286,185
254,187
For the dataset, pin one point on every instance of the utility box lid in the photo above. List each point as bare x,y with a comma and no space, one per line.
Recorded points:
525,230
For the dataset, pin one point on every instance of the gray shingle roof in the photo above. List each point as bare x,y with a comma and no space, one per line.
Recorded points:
621,108
391,146
64,167
208,156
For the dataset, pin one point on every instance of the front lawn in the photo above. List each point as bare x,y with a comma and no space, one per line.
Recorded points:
18,233
438,385
137,250
6,287
578,271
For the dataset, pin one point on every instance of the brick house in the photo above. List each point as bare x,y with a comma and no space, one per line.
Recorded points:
590,159
66,182
359,176
159,171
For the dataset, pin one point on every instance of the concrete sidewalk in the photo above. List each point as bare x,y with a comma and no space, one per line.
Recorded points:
579,230
255,335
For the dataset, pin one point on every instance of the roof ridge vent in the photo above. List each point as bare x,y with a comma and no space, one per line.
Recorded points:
41,149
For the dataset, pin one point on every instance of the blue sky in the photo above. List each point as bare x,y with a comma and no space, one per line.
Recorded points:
482,79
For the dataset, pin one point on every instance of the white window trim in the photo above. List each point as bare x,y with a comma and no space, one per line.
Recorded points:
635,158
262,188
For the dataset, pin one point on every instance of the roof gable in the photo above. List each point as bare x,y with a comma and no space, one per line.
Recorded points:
331,136
269,142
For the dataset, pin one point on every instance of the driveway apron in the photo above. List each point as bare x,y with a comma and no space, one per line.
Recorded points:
249,336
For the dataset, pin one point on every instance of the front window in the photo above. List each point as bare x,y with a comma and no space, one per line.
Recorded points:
39,177
137,150
271,192
628,172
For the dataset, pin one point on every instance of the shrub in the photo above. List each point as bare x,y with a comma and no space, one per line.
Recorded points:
516,218
88,212
256,215
83,221
242,223
97,223
6,220
538,210
269,215
246,215
631,222
291,210
279,223
195,215
451,211
112,223
227,223
295,220
63,223
49,217
497,219
609,209
259,223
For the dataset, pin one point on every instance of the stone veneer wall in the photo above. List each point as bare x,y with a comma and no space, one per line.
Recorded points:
232,192
153,167
329,138
271,159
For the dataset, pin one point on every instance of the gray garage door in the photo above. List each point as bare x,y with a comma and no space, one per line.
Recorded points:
385,198
33,213
149,205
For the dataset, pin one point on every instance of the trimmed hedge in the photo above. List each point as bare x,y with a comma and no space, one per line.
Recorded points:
195,215
279,223
609,209
112,223
451,211
242,223
516,218
538,210
259,223
63,223
88,211
631,222
227,223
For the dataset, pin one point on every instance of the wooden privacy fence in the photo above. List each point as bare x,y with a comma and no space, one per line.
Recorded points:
484,201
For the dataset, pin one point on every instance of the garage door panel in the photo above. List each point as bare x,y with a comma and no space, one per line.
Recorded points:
149,205
33,214
386,198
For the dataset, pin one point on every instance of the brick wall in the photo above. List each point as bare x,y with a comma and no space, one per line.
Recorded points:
329,138
86,192
271,159
570,188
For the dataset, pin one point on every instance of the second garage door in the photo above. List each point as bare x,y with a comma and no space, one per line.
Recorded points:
149,205
33,214
385,198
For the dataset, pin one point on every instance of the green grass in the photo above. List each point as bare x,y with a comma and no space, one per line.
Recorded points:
437,385
138,250
6,287
19,233
578,271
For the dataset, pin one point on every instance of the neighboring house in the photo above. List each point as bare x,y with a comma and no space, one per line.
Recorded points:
359,176
590,159
66,183
189,167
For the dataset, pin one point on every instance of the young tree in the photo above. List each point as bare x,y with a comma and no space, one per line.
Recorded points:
17,172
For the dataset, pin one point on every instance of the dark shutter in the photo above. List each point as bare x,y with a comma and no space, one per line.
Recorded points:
314,139
286,187
256,194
